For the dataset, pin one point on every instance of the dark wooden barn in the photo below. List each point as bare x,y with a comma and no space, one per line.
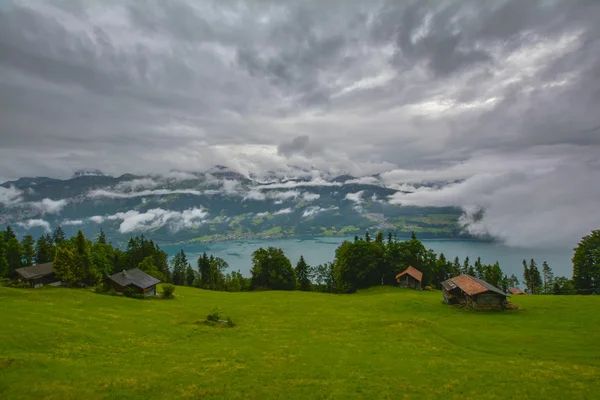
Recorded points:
474,293
36,275
134,278
410,278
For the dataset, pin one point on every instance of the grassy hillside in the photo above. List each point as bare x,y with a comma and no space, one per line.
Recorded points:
380,343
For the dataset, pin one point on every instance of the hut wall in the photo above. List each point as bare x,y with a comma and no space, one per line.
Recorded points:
151,291
489,301
408,281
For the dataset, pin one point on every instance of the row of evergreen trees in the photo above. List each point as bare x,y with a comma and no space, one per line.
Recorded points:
367,262
358,264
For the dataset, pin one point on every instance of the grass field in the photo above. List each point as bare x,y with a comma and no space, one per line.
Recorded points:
381,343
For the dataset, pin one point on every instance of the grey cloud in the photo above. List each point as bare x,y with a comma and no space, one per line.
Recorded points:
298,145
146,87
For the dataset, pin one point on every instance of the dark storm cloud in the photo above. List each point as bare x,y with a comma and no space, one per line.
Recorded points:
427,86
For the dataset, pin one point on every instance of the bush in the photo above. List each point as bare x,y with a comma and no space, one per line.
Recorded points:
168,290
214,316
111,292
99,288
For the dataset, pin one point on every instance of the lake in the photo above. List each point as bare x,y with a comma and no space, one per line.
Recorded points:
318,250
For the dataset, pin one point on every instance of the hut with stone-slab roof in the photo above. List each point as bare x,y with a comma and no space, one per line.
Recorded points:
474,293
134,279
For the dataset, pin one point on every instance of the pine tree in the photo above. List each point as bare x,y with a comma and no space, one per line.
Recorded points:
478,268
527,277
548,277
586,262
190,275
203,271
13,255
102,237
303,275
4,268
9,234
64,265
44,250
535,276
27,250
59,236
456,266
466,265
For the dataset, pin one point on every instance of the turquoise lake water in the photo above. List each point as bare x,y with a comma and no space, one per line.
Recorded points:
318,250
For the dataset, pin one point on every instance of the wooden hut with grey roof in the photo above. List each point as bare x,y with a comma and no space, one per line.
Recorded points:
135,279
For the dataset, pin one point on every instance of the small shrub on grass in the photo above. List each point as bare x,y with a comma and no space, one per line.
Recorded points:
214,316
111,292
168,290
99,288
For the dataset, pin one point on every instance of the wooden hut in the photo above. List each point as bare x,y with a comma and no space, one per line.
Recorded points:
474,293
516,291
36,275
135,279
410,278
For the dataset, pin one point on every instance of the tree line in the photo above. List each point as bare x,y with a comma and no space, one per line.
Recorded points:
364,262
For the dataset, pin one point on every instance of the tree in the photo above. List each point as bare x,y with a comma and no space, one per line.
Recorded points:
64,263
466,266
13,255
104,260
4,268
59,236
271,269
190,275
27,250
204,279
83,269
478,268
586,262
44,249
325,278
101,237
533,278
456,266
148,266
179,264
513,281
303,274
548,276
563,285
9,234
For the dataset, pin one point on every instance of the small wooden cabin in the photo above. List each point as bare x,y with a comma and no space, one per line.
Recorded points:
474,293
36,275
516,291
134,278
410,278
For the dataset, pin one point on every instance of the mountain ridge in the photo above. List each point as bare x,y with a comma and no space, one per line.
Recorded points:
219,204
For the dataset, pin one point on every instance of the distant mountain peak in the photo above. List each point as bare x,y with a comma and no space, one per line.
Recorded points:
88,172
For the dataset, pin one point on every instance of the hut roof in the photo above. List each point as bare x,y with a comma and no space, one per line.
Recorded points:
36,271
135,277
513,290
472,286
412,271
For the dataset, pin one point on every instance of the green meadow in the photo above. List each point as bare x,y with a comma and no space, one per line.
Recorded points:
381,343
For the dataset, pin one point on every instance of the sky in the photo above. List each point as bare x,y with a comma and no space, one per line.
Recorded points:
501,96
